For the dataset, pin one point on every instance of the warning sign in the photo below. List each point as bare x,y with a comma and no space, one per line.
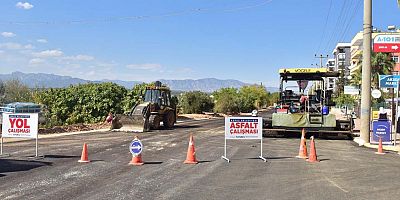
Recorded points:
243,128
20,125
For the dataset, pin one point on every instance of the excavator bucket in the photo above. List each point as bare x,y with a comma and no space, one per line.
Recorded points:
136,121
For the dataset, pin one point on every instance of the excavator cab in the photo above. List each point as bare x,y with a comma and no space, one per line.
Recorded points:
156,107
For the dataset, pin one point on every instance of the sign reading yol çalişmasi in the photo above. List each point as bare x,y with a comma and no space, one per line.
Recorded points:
20,125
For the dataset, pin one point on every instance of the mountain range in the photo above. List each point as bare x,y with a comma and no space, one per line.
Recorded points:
43,80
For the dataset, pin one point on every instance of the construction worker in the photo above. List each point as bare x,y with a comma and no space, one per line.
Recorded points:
109,118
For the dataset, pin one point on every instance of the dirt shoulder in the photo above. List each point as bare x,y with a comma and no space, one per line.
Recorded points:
97,126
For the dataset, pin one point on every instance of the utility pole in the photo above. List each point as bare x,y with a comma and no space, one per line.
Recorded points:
366,73
320,58
323,85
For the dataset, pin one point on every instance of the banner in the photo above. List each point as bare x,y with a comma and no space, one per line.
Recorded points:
243,128
20,125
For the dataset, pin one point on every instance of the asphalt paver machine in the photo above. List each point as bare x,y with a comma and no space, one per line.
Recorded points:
305,102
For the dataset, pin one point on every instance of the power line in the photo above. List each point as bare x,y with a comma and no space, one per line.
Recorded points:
326,23
345,20
356,9
138,17
336,27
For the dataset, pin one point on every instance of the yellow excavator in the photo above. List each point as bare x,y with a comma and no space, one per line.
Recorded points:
157,107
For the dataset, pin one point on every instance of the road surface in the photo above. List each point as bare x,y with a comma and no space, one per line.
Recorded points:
346,171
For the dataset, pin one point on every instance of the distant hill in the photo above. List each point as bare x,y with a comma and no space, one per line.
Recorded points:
40,80
56,81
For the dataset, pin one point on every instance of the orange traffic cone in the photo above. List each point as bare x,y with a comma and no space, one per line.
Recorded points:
313,152
303,146
380,148
84,156
136,160
191,153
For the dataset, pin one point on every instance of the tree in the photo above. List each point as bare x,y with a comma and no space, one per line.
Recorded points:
252,97
2,92
381,63
195,102
226,100
272,98
16,91
344,100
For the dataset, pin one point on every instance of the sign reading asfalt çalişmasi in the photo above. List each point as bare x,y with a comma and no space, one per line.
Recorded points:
20,125
243,128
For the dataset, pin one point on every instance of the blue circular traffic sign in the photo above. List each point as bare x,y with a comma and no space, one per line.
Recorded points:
136,147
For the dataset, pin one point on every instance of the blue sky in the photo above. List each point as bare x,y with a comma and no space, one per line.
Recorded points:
247,40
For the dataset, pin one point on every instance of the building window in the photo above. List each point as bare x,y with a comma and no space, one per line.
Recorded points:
341,56
395,59
341,63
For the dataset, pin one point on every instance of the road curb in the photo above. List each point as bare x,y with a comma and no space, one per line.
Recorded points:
375,146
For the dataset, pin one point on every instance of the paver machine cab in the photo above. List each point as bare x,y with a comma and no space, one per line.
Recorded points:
156,108
304,103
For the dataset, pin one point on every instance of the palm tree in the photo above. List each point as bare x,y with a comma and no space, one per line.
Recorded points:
381,63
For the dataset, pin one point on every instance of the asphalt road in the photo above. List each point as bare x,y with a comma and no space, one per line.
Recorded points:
346,171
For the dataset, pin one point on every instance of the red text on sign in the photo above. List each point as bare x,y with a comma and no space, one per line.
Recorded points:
19,123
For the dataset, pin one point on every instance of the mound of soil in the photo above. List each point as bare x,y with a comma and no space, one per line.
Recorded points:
73,128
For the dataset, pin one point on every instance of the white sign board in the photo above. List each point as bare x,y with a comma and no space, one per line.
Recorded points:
353,90
243,128
20,125
376,93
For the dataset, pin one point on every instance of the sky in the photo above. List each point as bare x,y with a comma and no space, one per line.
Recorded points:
132,40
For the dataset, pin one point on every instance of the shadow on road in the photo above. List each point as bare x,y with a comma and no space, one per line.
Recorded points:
11,165
186,126
153,163
279,157
205,161
308,135
60,156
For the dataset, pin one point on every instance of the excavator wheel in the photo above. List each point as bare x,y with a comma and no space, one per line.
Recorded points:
169,120
154,122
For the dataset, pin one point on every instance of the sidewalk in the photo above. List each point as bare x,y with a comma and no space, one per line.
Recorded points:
375,146
357,125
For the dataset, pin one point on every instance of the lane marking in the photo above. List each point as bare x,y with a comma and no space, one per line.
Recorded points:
335,184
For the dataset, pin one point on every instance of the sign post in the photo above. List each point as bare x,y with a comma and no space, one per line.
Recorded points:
243,128
392,81
20,125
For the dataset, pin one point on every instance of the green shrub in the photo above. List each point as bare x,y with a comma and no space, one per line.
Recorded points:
84,103
195,102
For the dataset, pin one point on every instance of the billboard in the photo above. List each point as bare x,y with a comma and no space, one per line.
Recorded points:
388,81
389,43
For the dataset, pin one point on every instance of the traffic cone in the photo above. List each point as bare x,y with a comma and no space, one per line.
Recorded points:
380,148
303,146
191,153
137,160
313,152
84,156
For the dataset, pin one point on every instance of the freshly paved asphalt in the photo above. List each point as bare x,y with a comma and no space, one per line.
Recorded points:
346,171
